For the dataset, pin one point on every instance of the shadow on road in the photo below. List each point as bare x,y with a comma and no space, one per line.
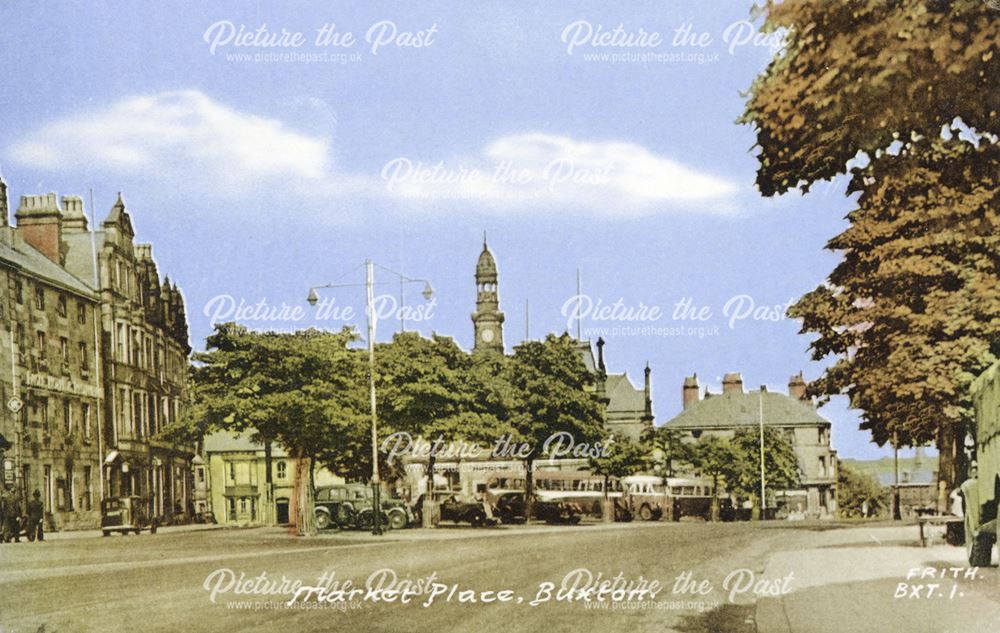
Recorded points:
728,618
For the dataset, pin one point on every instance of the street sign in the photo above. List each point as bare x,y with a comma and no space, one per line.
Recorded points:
15,404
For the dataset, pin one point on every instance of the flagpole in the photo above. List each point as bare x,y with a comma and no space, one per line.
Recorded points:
763,496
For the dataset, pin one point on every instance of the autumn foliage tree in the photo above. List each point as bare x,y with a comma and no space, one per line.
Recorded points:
907,89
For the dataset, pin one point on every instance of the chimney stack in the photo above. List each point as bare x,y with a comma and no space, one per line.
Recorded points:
600,356
690,390
74,220
39,222
732,383
4,209
797,387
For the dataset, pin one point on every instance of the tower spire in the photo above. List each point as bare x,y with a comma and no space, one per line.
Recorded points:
487,320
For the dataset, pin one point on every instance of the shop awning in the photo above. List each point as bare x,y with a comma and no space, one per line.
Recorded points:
112,456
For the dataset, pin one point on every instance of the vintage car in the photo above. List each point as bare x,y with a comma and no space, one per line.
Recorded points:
475,512
509,507
126,514
351,506
981,493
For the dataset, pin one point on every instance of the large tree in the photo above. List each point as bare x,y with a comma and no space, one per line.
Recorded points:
621,457
859,495
431,389
667,448
553,392
781,464
911,312
714,457
302,390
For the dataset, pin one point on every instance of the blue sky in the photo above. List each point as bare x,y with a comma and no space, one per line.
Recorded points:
256,178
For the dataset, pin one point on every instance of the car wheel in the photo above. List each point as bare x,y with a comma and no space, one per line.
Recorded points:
345,517
646,513
363,521
323,520
397,520
978,547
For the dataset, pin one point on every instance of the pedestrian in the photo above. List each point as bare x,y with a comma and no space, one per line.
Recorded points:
11,517
36,512
3,514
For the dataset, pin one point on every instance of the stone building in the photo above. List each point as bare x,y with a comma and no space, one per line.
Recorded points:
50,385
96,349
794,414
628,409
234,469
145,349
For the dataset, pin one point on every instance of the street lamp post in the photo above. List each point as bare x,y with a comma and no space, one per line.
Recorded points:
369,284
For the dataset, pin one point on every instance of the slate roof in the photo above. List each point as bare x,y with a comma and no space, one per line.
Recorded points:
228,442
623,395
15,252
587,356
728,410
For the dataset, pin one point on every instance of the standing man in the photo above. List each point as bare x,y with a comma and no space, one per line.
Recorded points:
3,514
36,511
11,516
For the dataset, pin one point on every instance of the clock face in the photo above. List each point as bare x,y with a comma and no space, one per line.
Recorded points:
486,335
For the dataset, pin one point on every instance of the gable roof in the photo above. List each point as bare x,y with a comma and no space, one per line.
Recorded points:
727,410
15,252
623,395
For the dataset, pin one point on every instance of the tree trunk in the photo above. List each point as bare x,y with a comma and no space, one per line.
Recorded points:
952,462
304,519
714,511
269,517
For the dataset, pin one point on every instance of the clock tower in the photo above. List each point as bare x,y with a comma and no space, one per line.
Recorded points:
487,320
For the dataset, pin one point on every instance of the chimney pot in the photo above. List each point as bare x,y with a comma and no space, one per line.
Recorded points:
689,391
732,383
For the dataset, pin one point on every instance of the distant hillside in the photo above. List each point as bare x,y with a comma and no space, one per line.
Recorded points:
909,471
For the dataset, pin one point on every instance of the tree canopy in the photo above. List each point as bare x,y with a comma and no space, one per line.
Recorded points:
781,465
856,76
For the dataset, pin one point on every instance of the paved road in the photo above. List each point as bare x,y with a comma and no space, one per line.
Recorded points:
157,583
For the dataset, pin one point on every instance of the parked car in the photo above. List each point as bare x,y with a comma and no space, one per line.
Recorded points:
510,508
475,512
351,506
126,514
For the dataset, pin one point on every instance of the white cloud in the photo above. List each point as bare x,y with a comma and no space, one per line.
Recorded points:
538,170
187,137
182,134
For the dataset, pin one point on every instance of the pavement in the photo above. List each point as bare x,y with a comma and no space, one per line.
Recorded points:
166,529
859,580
